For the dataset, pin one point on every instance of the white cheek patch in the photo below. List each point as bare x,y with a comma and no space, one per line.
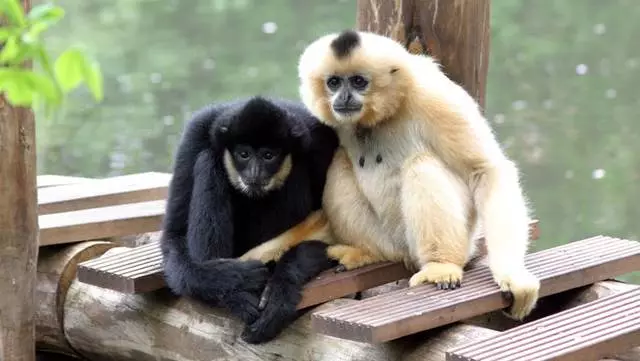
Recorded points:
232,173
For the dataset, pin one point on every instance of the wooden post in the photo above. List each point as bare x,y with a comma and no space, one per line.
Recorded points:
455,32
18,230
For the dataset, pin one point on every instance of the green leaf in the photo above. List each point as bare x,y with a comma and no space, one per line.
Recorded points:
14,11
69,69
48,13
44,86
93,77
10,50
16,85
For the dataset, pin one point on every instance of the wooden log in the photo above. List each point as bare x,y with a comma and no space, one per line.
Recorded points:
51,180
101,324
455,32
18,229
56,270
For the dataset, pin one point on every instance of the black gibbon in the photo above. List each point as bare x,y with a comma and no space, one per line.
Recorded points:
418,172
244,172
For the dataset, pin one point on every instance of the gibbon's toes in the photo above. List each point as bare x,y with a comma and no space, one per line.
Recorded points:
349,257
264,253
523,288
446,276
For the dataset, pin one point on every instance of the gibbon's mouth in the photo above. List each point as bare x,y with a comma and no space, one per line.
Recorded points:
347,110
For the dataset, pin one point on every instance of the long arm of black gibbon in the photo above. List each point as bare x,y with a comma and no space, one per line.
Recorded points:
295,268
198,232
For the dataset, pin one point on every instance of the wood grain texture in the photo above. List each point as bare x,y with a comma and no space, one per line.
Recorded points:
56,271
18,230
586,333
455,32
97,193
101,324
396,314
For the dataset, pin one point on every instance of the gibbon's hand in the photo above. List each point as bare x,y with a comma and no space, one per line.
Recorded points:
245,282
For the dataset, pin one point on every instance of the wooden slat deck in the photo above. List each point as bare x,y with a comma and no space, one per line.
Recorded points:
605,327
103,192
399,313
140,270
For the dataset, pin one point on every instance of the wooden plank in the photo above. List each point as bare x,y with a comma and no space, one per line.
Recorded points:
50,180
399,313
589,332
140,270
98,223
129,188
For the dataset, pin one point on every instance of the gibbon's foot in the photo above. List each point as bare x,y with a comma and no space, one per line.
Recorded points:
522,287
446,276
266,252
350,257
249,279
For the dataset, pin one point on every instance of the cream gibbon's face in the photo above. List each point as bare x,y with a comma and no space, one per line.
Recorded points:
353,78
347,95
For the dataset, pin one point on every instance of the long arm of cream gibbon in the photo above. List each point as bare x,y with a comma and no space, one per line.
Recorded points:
314,227
465,141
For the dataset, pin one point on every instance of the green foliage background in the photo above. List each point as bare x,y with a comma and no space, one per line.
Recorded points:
562,91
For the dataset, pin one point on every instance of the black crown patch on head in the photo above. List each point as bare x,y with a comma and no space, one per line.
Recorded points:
344,44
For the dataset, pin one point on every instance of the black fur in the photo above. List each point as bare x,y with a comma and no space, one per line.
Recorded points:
296,267
344,44
208,222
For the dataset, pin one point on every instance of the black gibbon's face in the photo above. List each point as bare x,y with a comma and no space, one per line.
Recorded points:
347,94
257,171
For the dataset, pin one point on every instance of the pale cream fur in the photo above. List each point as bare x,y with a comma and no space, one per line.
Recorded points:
442,172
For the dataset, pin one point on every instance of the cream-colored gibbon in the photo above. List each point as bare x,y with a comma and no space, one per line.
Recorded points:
418,172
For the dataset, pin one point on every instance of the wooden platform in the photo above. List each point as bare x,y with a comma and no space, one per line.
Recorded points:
403,312
140,270
586,333
89,209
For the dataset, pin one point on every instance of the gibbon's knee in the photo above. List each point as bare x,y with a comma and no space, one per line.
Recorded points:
436,209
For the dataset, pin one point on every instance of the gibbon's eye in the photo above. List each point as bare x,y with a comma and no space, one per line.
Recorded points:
243,154
267,155
358,82
334,82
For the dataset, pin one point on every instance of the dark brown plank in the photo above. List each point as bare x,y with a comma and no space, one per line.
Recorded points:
589,332
98,223
139,270
407,311
96,193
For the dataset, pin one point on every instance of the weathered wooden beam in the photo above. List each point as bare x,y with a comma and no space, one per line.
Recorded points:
56,271
101,324
455,32
18,229
52,180
106,192
103,222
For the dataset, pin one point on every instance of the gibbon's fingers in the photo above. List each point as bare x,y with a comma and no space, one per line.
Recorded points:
445,275
523,287
314,227
351,257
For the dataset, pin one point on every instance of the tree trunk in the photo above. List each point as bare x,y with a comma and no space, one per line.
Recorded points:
18,230
57,267
455,32
104,325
